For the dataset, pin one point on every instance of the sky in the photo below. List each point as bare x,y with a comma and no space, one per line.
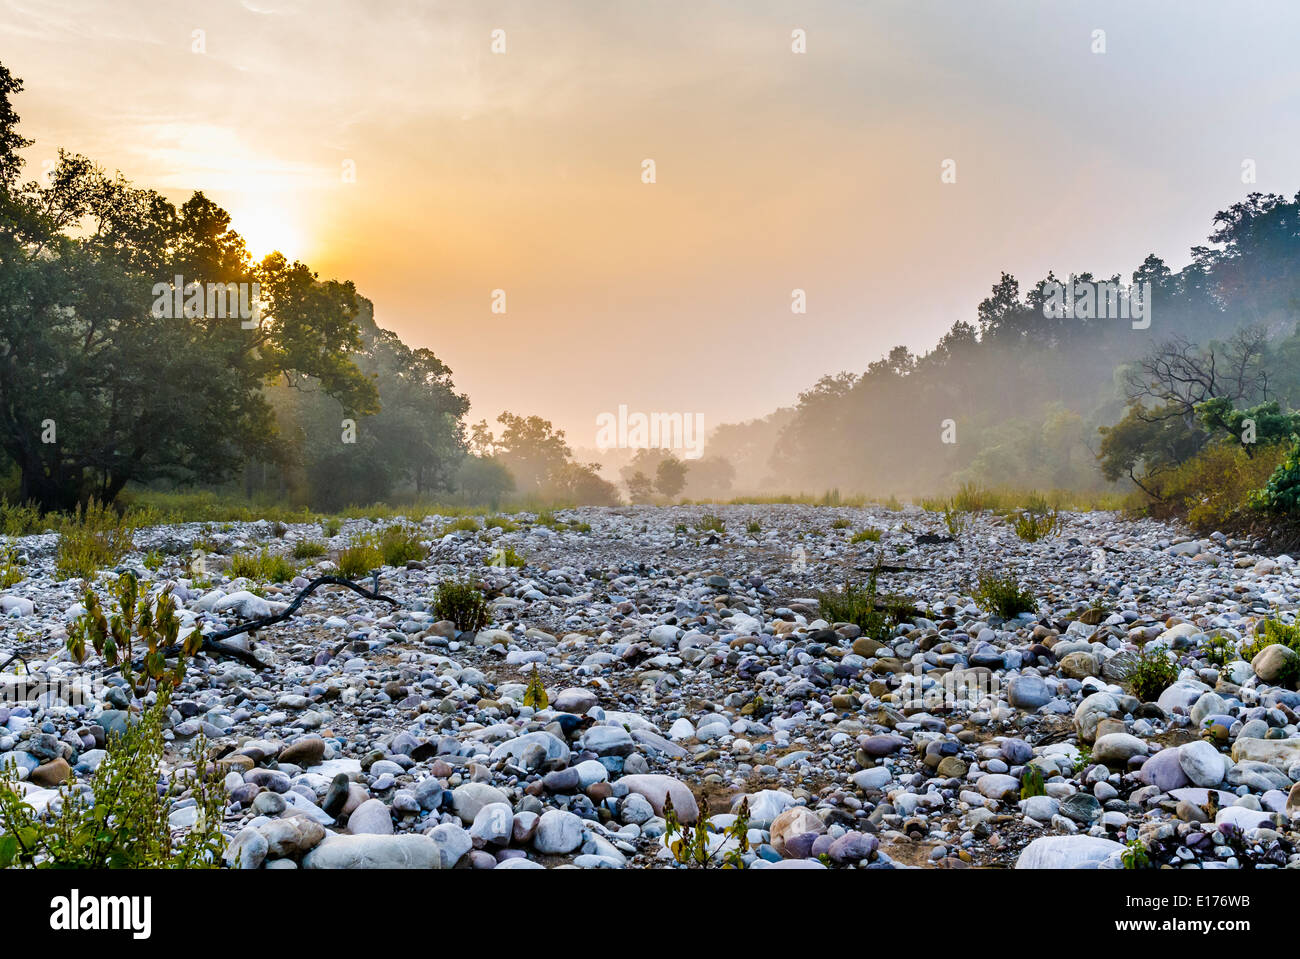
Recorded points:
522,171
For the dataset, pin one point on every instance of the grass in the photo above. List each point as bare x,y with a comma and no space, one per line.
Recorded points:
863,606
20,519
500,522
262,567
1031,525
841,524
152,561
866,536
360,556
461,602
1002,595
710,523
465,524
10,570
401,543
309,549
753,527
92,539
506,557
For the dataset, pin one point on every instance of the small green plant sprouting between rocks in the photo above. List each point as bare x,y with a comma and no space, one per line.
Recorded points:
152,561
504,523
125,825
753,527
462,603
92,539
154,625
1002,595
710,523
864,607
262,567
1151,674
1032,525
866,536
1218,650
535,694
841,524
1135,855
330,527
690,844
1031,782
506,557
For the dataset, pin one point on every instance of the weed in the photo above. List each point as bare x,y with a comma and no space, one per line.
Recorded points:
1031,526
866,536
1151,675
92,539
262,567
1002,595
535,695
506,557
10,569
126,825
711,523
309,549
462,603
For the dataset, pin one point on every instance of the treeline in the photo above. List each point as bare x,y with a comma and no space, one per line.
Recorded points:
143,349
1025,397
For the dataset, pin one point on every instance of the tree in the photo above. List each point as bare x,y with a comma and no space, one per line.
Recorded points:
532,449
484,479
581,483
670,476
640,488
97,389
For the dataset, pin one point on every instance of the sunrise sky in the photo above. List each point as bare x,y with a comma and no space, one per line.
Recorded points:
522,171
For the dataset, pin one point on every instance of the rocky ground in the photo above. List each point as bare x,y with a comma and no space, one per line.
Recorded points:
697,664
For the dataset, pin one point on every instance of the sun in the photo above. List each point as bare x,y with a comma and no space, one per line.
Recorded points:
266,229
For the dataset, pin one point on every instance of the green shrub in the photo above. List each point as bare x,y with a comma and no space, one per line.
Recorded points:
1002,595
309,549
401,543
866,536
20,519
1268,633
331,527
841,524
710,523
753,527
126,825
863,606
466,524
1151,675
262,567
10,570
1281,494
154,625
92,539
152,561
461,602
503,523
360,556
